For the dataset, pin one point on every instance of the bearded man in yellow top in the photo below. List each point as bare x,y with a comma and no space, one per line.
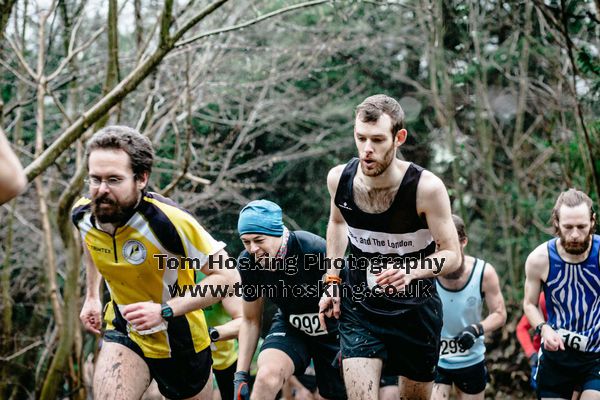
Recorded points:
128,233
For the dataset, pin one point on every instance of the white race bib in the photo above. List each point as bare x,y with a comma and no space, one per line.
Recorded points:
160,327
307,323
450,348
573,340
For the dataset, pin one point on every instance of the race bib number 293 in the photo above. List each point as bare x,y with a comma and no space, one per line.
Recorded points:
307,323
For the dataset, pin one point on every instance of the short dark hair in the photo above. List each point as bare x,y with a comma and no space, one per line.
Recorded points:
118,137
371,109
460,227
571,198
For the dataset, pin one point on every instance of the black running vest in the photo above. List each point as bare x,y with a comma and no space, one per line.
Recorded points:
398,235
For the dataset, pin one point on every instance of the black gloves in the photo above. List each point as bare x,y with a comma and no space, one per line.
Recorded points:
241,390
466,339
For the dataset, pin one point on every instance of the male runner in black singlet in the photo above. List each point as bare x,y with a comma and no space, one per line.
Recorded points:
394,214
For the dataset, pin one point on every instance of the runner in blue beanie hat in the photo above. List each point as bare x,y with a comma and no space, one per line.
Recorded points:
285,267
261,216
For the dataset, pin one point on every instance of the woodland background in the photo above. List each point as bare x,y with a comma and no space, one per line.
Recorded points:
254,99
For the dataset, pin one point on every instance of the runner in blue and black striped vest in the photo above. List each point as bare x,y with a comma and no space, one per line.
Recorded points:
394,214
567,269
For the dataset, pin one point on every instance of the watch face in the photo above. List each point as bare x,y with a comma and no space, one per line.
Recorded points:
214,334
166,312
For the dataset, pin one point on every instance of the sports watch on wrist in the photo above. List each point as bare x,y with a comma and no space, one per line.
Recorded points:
214,334
166,312
538,329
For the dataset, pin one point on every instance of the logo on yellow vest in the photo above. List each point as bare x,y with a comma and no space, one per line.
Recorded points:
134,252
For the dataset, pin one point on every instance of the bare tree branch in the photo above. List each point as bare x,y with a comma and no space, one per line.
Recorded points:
251,22
126,86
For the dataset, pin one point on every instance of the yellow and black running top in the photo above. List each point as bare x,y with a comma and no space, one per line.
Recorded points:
130,263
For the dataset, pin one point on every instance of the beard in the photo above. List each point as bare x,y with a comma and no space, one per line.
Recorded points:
575,247
379,166
109,211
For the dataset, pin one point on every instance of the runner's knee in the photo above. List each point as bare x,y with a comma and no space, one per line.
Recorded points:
270,376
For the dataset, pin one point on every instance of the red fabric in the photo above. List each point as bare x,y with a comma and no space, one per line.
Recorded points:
530,346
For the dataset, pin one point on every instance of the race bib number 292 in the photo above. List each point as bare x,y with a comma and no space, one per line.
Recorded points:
307,323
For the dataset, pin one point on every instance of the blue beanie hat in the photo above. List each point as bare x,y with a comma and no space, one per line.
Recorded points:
261,216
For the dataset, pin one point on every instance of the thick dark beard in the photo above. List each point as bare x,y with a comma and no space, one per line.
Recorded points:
575,248
388,157
118,215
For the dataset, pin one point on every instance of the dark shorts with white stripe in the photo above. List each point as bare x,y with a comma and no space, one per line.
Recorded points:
561,372
408,344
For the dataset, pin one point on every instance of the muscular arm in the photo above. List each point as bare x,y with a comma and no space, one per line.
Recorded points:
434,203
337,230
12,177
249,332
494,301
536,271
337,241
233,306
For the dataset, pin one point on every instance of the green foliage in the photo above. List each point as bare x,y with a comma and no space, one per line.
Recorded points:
587,62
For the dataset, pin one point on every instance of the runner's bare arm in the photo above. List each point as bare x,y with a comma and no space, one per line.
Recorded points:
12,177
434,203
233,306
337,230
249,332
536,272
337,241
493,300
536,269
91,312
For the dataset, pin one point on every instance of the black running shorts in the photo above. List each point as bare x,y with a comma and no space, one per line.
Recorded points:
178,377
408,344
560,372
301,347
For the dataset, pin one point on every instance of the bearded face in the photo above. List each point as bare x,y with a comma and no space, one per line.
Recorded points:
575,246
110,209
114,190
376,145
575,228
374,166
